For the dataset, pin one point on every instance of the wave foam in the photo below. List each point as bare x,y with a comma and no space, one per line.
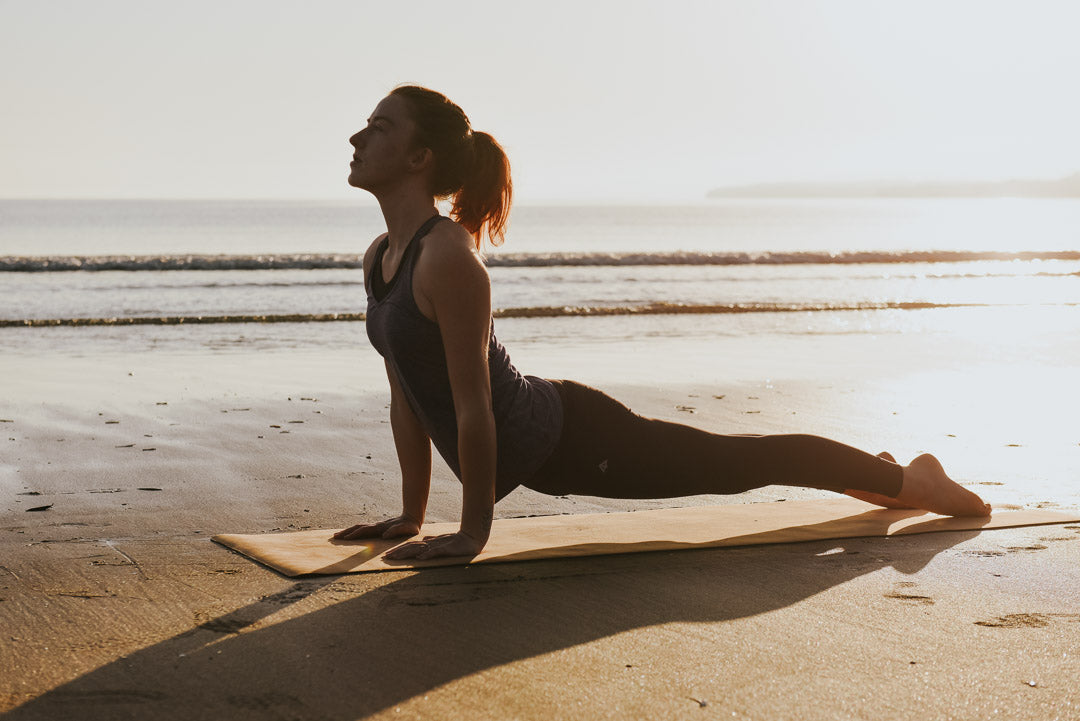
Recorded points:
316,261
524,312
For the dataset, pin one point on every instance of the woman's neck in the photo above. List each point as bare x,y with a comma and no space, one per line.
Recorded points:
404,214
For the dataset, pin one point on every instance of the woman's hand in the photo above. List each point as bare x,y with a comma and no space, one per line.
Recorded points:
390,528
451,544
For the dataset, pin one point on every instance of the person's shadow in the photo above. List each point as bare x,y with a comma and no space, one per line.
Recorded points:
366,653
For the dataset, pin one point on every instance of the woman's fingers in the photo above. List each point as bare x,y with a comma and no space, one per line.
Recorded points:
450,544
456,544
402,528
390,528
412,549
363,530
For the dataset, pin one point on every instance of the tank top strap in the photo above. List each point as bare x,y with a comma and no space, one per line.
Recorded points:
411,254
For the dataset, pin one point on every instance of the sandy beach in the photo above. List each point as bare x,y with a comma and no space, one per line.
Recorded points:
115,604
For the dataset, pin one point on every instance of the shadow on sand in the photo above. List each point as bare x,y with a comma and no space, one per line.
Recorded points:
359,654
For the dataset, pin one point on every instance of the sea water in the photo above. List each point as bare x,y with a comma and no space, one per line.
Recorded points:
729,267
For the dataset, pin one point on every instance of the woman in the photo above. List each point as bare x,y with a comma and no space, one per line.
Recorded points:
452,383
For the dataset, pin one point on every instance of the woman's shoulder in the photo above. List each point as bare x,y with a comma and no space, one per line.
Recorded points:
450,235
449,266
449,246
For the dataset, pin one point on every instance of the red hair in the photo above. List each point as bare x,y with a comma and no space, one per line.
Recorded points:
471,168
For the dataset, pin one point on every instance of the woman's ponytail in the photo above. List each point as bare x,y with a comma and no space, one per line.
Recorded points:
482,205
470,167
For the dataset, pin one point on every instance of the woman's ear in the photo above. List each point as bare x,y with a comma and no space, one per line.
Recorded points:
420,159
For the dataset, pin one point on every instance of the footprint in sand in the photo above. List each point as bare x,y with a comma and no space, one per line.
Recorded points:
1017,620
983,554
910,597
1028,620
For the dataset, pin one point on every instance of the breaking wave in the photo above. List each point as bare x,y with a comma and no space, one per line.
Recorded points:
524,312
315,261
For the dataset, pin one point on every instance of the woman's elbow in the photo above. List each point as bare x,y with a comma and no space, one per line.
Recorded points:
476,417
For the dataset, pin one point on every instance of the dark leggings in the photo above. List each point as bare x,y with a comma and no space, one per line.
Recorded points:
607,450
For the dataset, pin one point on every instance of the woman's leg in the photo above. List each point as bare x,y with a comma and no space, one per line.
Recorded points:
607,450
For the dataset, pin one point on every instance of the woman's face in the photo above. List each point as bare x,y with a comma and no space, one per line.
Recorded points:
383,150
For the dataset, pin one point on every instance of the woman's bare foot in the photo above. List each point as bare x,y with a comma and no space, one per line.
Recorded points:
927,486
877,498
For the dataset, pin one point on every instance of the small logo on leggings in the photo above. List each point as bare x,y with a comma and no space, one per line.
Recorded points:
603,466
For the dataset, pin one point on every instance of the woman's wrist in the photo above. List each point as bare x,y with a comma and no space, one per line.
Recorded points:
478,528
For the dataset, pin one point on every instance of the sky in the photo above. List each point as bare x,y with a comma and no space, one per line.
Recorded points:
598,100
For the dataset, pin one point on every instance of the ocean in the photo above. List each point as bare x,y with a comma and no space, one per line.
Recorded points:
82,274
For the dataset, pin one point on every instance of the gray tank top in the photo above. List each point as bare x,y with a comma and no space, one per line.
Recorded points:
528,411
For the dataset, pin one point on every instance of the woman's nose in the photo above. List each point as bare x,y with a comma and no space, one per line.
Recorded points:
356,139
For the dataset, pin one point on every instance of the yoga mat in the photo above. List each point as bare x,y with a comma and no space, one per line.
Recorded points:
521,539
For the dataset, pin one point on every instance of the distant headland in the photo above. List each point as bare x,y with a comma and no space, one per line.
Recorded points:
1067,187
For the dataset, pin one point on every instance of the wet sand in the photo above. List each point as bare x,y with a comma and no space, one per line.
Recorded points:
115,604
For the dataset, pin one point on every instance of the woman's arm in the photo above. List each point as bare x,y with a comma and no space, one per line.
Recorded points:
414,458
453,289
414,454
